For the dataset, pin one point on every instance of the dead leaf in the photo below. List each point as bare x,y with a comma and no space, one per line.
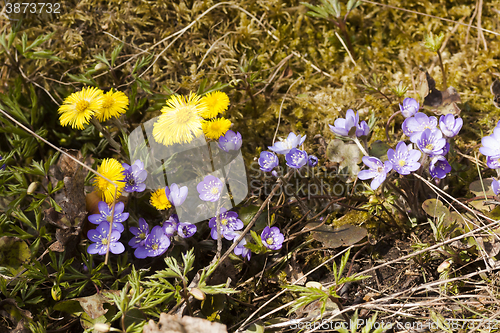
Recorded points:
441,102
93,305
333,237
186,324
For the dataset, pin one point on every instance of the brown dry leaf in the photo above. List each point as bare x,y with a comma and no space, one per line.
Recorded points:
71,200
441,102
294,272
93,305
334,237
186,324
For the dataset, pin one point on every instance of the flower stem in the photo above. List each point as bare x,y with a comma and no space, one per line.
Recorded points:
360,146
106,134
445,83
387,125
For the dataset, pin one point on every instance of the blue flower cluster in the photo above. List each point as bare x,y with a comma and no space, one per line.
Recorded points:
422,130
491,149
294,157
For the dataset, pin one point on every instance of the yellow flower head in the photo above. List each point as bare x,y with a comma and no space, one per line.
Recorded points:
216,128
217,102
159,199
114,104
180,121
79,107
114,171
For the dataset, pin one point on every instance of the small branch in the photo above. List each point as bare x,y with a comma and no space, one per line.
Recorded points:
360,146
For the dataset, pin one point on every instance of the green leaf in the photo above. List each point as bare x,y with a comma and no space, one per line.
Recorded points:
102,58
14,252
38,41
82,79
115,53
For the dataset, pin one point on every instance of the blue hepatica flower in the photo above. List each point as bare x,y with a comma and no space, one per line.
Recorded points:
241,250
284,146
268,161
3,165
100,238
449,125
431,142
170,225
378,171
140,234
495,186
491,144
176,195
106,215
414,126
439,167
230,141
404,160
350,126
493,162
156,244
135,176
272,238
409,108
186,229
229,223
210,188
312,161
296,158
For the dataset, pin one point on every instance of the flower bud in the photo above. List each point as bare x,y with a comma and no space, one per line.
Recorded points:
56,292
314,284
197,293
100,67
104,328
32,188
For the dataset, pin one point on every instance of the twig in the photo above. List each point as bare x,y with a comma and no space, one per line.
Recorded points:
346,48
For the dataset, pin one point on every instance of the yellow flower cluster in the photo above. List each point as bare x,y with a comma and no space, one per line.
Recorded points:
187,117
79,107
159,199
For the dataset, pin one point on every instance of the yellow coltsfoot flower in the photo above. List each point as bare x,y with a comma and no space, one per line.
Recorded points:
217,102
216,128
114,104
114,171
79,107
180,121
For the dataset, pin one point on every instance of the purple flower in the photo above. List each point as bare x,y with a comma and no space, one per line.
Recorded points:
229,222
410,107
284,146
140,234
135,175
414,126
439,167
105,215
186,229
274,173
170,225
176,195
431,142
362,129
210,188
156,244
449,125
378,171
312,161
404,160
241,250
296,158
493,162
4,165
491,144
495,186
272,238
100,238
446,148
268,161
344,127
230,141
